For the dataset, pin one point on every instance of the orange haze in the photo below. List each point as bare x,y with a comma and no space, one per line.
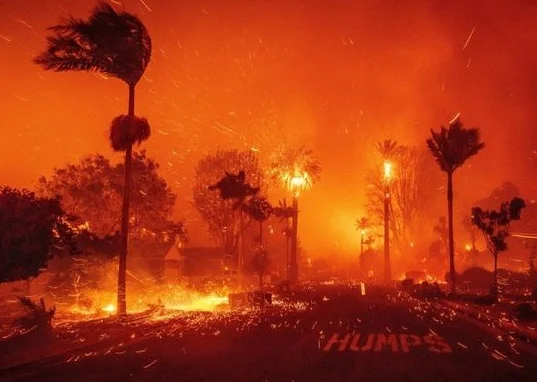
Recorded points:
336,76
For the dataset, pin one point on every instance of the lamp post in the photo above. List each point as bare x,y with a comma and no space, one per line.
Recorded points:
387,197
296,184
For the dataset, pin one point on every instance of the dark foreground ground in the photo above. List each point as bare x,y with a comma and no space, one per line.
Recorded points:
327,333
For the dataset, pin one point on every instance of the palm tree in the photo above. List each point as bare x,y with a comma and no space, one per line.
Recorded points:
116,44
451,147
361,225
389,150
259,209
296,170
285,212
234,187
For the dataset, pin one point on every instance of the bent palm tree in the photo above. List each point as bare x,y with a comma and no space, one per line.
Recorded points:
116,44
451,147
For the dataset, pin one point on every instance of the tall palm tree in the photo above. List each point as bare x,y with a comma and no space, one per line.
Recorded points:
452,147
285,212
118,45
297,170
389,150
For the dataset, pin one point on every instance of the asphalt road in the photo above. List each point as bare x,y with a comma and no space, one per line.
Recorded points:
333,334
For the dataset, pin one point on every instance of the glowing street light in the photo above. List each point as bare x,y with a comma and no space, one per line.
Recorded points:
296,169
387,170
296,183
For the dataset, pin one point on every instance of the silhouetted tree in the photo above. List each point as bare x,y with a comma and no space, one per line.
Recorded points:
116,44
221,213
413,191
494,225
286,214
233,186
36,316
441,231
452,147
32,230
259,209
94,181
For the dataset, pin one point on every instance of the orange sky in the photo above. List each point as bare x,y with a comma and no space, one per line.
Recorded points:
337,76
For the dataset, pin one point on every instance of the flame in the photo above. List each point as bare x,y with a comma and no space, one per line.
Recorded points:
296,181
110,308
169,298
387,170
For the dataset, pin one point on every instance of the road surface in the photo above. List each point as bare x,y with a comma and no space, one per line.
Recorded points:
327,333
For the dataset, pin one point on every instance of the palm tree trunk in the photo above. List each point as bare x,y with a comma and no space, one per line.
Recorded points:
387,264
450,231
293,268
121,280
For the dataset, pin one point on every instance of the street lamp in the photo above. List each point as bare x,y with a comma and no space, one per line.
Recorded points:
387,178
296,183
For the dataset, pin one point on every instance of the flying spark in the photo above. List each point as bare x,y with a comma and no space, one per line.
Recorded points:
468,39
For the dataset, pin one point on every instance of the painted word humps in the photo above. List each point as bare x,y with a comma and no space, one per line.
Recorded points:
379,342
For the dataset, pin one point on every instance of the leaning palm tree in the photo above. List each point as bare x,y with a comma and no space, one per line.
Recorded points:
116,44
451,147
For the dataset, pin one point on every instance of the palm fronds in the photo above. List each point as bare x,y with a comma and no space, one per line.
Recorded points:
114,43
283,211
36,315
362,223
389,149
297,163
258,208
126,130
452,146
